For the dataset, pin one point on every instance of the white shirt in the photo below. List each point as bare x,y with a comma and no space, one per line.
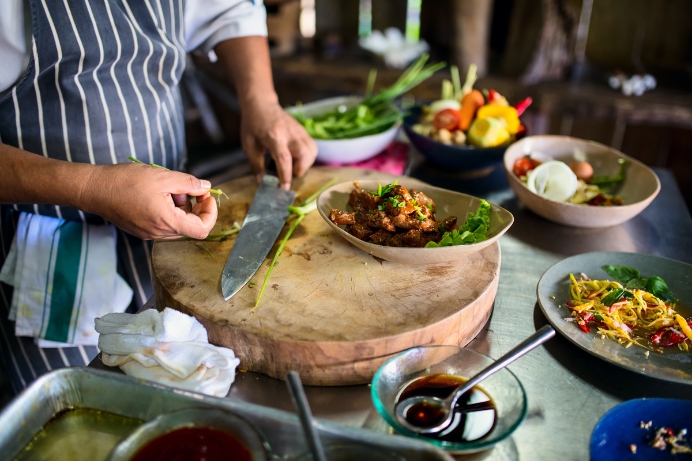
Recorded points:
207,22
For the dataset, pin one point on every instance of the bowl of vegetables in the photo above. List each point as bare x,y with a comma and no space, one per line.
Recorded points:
351,128
577,182
466,129
367,133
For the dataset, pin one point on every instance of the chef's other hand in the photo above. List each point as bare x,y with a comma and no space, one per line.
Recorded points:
150,202
266,126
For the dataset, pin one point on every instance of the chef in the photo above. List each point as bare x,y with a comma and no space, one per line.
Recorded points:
84,85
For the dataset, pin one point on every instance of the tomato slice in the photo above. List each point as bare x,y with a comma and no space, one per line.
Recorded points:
447,119
523,165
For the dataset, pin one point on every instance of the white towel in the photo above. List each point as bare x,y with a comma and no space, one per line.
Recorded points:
167,347
65,275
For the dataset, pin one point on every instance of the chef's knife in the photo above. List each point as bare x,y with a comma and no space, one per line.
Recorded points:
261,227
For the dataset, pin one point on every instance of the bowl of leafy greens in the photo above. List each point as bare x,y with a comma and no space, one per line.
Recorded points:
410,222
374,131
350,129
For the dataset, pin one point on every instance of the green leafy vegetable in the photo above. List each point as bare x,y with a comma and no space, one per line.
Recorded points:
472,231
615,295
632,279
605,182
622,274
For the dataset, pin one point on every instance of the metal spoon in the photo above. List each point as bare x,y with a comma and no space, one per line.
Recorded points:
445,408
296,389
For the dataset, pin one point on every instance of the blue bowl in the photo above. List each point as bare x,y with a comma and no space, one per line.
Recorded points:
620,427
462,158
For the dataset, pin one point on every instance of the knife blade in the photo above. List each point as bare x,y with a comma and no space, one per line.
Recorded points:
261,227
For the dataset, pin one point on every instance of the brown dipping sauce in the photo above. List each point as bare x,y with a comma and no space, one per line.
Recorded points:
441,386
194,444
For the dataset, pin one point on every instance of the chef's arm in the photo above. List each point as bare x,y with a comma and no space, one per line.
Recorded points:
145,201
265,125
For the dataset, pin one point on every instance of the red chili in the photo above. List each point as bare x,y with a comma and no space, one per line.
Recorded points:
522,105
665,337
493,95
584,327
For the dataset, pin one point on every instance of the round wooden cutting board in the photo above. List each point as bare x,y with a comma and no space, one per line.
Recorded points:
330,311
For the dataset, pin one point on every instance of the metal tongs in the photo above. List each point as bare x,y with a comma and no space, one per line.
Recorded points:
307,422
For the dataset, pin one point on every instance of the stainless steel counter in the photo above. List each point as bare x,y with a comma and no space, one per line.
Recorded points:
568,390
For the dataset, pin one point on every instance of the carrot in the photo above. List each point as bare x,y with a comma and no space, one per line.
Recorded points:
470,104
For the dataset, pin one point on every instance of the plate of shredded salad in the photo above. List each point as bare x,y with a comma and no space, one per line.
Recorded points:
632,310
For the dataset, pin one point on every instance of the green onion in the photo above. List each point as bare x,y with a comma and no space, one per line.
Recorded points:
374,114
300,211
212,191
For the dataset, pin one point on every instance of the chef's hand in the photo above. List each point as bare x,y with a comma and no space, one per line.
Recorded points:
150,202
265,127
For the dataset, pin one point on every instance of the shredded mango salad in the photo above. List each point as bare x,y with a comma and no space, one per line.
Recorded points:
627,316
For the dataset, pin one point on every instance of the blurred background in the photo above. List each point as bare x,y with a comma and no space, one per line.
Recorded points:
613,71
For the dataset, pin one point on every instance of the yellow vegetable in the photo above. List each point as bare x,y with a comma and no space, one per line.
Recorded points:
684,326
488,133
506,113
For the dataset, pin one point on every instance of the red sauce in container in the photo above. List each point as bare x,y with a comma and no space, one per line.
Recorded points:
194,444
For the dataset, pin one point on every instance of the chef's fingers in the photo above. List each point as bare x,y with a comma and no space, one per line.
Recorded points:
304,154
256,156
200,221
182,202
283,160
182,183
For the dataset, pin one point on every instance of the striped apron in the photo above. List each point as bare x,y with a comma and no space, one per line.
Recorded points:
101,85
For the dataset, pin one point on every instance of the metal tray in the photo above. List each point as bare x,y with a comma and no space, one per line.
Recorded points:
119,394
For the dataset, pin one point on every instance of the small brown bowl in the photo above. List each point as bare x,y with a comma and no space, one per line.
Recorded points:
448,203
640,187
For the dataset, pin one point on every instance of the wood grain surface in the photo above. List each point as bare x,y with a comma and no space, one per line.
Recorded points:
330,311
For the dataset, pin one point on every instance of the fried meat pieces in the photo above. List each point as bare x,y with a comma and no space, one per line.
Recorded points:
400,217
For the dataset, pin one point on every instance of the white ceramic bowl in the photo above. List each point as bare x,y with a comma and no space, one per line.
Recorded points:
346,151
448,203
640,187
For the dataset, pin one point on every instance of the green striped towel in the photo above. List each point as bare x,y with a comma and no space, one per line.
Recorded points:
65,275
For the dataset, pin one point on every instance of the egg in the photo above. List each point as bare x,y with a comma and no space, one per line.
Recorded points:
582,169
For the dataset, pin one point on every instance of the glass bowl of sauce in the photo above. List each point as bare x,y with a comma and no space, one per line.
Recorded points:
195,434
485,415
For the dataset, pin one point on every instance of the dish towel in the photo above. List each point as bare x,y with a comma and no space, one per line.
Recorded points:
167,347
65,275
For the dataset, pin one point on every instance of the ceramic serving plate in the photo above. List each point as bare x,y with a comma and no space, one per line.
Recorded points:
672,365
640,187
448,203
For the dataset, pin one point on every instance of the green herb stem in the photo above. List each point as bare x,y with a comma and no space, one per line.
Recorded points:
308,205
202,247
212,191
277,254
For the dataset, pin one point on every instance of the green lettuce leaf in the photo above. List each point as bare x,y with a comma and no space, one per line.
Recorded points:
472,231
